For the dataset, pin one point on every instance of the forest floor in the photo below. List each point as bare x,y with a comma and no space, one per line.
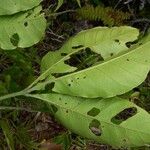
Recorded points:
33,129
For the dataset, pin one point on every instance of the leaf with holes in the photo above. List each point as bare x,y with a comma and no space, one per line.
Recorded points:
8,7
112,121
22,30
118,71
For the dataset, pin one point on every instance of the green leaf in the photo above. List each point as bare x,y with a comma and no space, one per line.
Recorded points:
22,30
8,7
8,133
121,70
79,3
60,2
112,121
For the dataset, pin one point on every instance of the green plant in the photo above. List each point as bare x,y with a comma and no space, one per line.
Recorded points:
85,100
107,15
13,134
22,25
60,3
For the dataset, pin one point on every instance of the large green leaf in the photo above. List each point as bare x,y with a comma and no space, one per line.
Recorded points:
116,75
146,38
22,29
8,7
99,119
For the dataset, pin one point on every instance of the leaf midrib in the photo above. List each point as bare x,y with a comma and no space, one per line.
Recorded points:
103,63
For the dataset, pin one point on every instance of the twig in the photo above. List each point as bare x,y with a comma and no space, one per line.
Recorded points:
141,20
60,13
16,108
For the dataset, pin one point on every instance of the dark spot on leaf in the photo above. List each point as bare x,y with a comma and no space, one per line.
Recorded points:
71,80
76,47
111,54
54,108
83,59
49,86
129,44
66,111
69,84
140,43
56,75
116,40
15,39
84,77
127,59
93,112
64,54
78,78
95,128
124,115
60,98
65,103
124,140
43,80
26,24
29,13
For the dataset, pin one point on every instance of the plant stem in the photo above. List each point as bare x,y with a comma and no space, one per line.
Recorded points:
12,95
60,13
16,108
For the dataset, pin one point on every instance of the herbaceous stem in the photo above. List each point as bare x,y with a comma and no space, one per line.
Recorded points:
12,95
